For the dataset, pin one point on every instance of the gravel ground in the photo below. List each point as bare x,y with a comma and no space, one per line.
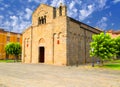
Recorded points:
41,75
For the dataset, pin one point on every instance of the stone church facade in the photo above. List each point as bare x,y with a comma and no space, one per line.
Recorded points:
55,38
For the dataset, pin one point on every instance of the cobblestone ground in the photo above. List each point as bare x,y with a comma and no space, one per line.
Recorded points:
40,75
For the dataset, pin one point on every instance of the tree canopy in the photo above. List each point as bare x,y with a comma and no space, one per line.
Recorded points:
103,46
117,40
13,49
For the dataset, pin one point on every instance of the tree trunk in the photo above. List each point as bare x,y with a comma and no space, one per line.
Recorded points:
7,57
101,63
16,58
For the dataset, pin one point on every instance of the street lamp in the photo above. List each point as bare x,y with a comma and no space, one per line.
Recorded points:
104,32
92,58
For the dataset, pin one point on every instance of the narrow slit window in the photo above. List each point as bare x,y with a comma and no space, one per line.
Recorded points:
60,10
45,19
42,19
39,20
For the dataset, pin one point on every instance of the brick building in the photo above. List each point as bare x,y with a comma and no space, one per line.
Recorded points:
55,38
6,37
113,33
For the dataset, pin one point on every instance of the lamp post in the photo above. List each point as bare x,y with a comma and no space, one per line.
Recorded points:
92,58
104,32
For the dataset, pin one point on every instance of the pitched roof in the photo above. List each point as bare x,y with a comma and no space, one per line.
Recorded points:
114,32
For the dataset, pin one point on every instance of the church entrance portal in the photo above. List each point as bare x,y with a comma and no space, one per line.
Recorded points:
41,54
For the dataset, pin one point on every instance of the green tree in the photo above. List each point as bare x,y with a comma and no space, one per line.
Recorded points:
13,49
103,45
117,40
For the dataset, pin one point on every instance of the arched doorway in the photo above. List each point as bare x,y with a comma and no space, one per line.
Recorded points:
41,49
41,54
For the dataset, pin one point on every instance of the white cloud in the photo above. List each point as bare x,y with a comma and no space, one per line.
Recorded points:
85,12
43,1
87,8
88,22
104,19
56,3
102,23
72,10
112,24
78,1
13,17
17,22
14,21
116,1
6,5
28,13
38,1
5,25
101,3
1,17
20,27
10,12
1,8
72,4
29,0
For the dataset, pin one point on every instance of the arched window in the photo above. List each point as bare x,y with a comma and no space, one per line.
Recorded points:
39,20
45,19
42,19
60,10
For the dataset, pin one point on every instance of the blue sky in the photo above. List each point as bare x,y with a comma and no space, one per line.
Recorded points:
15,15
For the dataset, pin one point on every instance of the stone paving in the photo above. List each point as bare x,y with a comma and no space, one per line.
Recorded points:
40,75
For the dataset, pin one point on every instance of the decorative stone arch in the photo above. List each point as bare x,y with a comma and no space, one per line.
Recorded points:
55,35
28,42
28,39
41,42
60,38
59,34
41,12
25,40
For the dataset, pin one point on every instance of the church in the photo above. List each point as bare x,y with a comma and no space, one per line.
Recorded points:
55,38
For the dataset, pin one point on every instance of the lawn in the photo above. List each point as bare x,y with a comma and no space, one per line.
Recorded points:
8,61
115,65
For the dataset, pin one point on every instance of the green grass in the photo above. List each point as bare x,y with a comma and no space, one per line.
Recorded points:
115,61
114,64
8,61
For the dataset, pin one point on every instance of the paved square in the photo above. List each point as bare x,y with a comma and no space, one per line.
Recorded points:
40,75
